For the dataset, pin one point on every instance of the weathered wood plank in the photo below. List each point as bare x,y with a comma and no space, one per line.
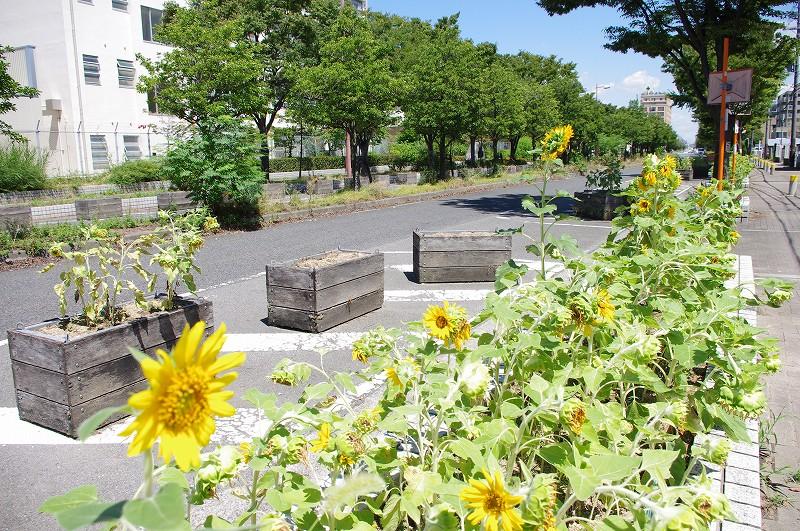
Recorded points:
118,397
461,241
456,274
321,321
143,334
336,274
41,382
32,347
291,277
15,215
311,300
103,208
462,258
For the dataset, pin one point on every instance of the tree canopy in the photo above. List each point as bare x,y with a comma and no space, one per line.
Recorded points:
10,89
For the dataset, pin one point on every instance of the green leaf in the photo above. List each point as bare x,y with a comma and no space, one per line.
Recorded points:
162,512
347,492
90,425
468,451
658,462
215,522
173,475
582,480
89,514
614,467
510,410
74,498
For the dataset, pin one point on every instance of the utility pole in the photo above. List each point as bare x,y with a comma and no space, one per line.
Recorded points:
792,147
348,169
722,115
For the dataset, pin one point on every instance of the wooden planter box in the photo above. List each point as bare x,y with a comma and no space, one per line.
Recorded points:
685,174
460,256
91,209
274,190
381,179
15,215
321,291
61,381
178,201
700,169
598,204
320,187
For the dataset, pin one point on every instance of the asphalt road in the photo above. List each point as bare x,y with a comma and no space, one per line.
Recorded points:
40,463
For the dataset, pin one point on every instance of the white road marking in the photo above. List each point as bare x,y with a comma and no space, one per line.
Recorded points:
3,342
533,264
289,341
434,295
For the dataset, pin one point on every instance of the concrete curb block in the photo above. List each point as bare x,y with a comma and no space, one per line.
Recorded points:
334,210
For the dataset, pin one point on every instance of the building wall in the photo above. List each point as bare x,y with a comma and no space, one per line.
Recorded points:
105,110
657,103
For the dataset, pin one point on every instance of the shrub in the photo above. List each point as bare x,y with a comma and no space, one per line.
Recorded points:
219,165
22,168
609,177
136,171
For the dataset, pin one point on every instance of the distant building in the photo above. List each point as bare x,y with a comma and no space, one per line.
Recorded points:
779,126
657,103
81,56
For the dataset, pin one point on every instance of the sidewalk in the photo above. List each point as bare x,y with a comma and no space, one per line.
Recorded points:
772,237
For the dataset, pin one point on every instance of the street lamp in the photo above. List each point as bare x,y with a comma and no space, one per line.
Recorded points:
598,88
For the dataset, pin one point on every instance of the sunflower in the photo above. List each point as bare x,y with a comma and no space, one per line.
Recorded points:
360,355
491,503
605,306
321,442
556,141
441,320
643,205
184,396
391,375
650,178
462,335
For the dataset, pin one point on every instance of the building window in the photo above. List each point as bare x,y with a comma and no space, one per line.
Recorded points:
126,73
119,5
132,150
87,2
99,152
152,101
91,69
150,19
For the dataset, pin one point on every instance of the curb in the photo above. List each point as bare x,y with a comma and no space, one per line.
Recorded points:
335,210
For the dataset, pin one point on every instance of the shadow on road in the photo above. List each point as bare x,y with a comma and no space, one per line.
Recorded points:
508,204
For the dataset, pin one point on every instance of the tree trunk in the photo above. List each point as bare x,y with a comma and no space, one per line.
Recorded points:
514,143
495,157
442,157
362,145
429,140
472,160
263,130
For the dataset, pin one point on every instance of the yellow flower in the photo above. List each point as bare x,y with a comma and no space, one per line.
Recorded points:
360,355
650,178
735,236
441,320
462,335
346,460
643,205
185,395
605,306
391,375
556,141
492,504
321,442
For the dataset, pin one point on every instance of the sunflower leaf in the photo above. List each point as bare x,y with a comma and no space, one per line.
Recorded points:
90,425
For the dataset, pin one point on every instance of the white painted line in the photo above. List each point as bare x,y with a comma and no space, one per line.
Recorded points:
435,295
289,341
3,342
532,264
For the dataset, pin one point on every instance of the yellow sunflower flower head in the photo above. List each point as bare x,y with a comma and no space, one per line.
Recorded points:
604,306
556,141
650,178
462,335
186,392
492,504
320,444
442,321
539,506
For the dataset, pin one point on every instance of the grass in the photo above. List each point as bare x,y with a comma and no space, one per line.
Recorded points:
372,192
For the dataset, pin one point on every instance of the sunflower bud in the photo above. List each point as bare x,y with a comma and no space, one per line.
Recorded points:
474,378
573,415
777,297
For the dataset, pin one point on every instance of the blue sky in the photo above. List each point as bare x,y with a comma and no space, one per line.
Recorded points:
579,37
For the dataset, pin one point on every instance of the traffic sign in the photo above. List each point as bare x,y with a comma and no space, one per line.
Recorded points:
738,87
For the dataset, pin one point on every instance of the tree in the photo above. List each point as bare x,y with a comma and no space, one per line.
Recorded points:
234,57
505,100
10,89
352,88
688,37
541,111
439,85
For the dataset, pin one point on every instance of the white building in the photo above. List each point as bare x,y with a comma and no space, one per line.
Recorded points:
81,55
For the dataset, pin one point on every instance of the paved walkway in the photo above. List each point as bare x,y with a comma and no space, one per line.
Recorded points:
772,237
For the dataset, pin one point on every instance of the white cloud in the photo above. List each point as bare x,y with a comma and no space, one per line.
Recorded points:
640,80
684,124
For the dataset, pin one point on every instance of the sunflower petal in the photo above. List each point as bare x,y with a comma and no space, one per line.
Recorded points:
228,361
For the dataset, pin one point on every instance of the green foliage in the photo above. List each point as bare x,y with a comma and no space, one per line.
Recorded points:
10,90
407,155
103,264
609,176
218,165
136,171
22,168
